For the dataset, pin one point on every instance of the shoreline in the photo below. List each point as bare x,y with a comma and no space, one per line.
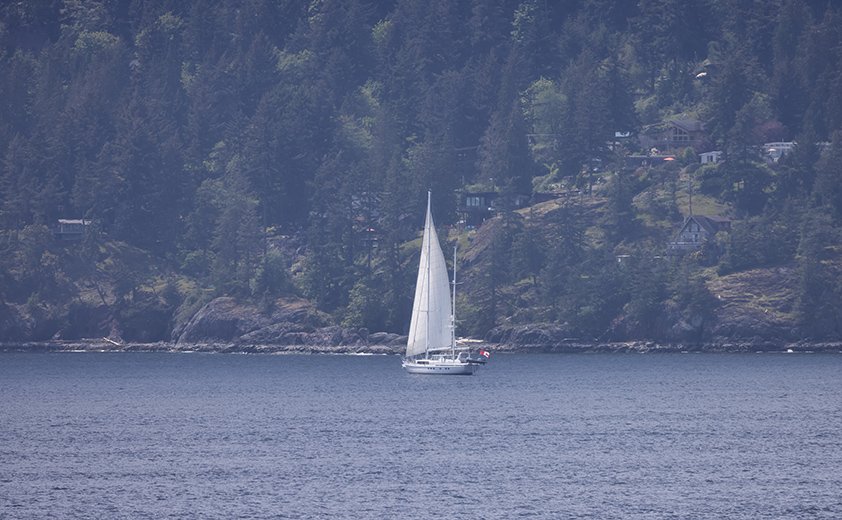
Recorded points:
639,347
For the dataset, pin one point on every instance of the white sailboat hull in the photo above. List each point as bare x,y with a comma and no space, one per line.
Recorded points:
441,368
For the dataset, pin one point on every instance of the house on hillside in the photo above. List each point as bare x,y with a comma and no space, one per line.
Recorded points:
682,133
71,229
620,141
773,152
696,231
675,134
712,157
477,206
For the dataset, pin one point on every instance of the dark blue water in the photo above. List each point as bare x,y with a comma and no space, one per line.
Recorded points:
542,436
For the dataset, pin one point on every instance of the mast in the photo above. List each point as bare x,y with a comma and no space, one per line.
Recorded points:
453,307
429,241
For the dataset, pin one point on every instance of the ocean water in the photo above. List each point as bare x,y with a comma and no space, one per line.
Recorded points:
154,435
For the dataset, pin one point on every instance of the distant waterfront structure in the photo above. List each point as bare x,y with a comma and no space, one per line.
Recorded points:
675,134
774,151
711,157
71,229
696,231
475,207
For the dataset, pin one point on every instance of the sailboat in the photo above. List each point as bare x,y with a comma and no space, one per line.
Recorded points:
431,345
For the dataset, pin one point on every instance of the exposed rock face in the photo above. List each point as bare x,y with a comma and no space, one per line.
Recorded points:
752,323
223,319
289,322
675,325
755,304
388,339
540,336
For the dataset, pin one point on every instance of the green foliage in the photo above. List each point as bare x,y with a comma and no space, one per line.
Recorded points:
148,319
272,277
567,248
365,306
35,268
487,302
193,131
237,238
594,296
545,108
691,294
747,186
770,239
95,41
504,153
620,219
527,256
820,284
646,283
827,191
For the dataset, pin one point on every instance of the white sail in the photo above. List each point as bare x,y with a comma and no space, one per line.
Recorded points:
430,326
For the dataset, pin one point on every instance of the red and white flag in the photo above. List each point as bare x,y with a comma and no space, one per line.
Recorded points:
485,353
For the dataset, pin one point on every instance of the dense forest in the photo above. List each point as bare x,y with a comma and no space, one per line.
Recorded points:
283,149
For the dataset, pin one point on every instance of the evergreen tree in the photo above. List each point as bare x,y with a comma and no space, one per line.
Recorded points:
733,87
365,306
504,152
788,87
668,34
827,191
329,271
486,303
16,90
646,282
819,292
821,66
238,238
620,218
527,256
546,110
136,187
565,251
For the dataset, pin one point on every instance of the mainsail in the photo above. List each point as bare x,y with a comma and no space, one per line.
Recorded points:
430,328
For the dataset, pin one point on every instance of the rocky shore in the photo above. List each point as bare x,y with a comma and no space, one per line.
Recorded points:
222,348
571,347
294,326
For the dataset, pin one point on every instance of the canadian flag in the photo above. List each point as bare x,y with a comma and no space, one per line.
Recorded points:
485,353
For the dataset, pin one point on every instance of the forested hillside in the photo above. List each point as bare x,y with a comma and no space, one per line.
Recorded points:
282,151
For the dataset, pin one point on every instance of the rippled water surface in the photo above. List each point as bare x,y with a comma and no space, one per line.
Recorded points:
133,435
